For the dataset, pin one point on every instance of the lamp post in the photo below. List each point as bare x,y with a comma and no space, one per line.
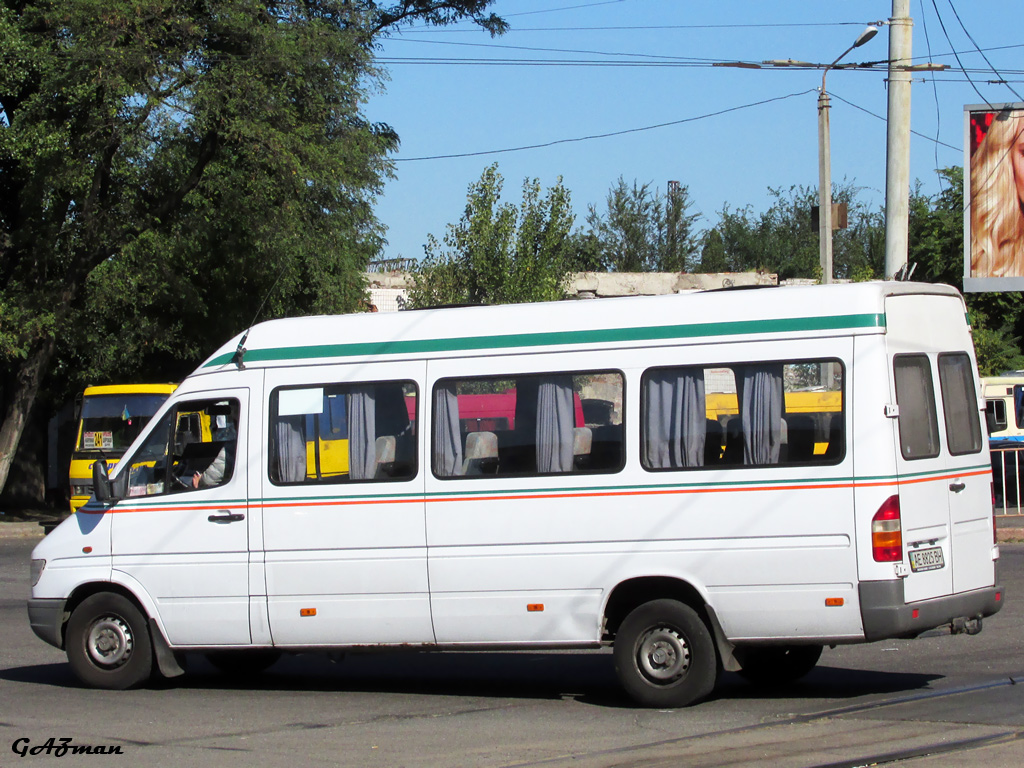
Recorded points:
825,163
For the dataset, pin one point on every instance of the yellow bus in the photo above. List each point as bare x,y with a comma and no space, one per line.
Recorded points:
111,417
808,416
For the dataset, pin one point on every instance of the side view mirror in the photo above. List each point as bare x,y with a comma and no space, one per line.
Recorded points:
101,481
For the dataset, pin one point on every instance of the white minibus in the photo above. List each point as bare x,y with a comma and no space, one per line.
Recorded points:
722,480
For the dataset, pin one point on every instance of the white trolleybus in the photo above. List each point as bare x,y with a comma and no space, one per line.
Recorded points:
722,480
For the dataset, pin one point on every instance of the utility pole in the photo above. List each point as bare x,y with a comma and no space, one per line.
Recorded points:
824,185
897,162
825,163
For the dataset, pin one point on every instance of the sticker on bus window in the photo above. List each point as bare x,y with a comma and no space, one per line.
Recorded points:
98,440
300,402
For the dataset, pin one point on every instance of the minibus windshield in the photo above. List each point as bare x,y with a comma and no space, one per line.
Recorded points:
111,422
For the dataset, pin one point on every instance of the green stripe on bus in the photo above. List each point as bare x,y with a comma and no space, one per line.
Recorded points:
556,338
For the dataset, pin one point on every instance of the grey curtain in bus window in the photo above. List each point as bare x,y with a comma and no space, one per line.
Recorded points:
674,423
291,449
761,404
362,434
555,422
447,432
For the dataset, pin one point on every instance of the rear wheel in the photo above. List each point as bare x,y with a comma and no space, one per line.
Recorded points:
664,655
108,642
778,665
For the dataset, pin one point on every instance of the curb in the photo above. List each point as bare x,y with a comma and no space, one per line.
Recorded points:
27,530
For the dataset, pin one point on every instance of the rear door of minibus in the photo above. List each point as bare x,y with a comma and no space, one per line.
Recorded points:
943,471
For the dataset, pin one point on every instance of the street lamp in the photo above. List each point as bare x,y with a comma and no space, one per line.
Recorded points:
825,163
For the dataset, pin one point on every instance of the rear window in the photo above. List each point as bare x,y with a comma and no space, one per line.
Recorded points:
959,403
915,395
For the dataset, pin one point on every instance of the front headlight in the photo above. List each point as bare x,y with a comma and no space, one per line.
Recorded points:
36,570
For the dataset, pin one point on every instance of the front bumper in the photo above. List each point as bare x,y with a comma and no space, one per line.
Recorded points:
46,617
886,613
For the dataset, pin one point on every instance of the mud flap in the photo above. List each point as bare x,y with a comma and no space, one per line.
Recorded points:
165,659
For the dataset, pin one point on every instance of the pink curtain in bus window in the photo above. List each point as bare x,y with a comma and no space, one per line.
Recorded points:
555,422
761,404
674,419
447,432
362,434
290,447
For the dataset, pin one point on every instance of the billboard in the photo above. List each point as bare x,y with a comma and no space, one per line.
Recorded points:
994,197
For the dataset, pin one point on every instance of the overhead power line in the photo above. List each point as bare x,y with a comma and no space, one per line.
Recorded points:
991,66
621,28
659,125
884,119
606,135
563,8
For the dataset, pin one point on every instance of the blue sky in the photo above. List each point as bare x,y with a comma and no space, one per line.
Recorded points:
663,50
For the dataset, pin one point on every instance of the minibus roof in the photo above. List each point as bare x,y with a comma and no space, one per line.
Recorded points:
703,317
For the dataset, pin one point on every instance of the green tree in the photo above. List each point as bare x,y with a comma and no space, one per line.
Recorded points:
783,239
498,253
642,230
206,151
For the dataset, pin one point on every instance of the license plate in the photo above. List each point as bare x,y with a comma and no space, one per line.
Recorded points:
926,559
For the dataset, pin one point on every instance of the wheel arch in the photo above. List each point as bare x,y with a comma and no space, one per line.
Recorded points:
634,592
90,588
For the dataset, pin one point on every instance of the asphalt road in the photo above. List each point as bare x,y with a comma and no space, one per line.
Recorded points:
938,700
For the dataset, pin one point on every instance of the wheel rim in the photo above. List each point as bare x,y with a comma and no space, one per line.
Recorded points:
110,642
663,655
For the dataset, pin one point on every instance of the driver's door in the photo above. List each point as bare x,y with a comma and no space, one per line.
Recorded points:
181,531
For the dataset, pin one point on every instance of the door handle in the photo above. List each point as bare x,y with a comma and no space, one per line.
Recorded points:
223,516
957,486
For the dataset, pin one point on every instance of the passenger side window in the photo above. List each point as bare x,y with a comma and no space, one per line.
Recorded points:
192,447
959,404
756,414
915,396
528,425
997,409
340,433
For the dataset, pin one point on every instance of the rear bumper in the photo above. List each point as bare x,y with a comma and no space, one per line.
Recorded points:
46,617
886,613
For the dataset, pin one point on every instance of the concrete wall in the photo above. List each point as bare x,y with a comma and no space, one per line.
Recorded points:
388,289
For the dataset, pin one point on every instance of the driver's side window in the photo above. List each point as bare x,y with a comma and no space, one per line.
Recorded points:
192,447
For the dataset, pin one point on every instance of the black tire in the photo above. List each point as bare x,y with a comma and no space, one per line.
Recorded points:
778,665
242,664
665,656
108,643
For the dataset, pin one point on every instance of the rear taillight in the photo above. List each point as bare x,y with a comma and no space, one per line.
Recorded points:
886,532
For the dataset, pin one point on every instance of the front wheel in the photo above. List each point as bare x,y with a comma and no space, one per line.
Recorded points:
108,642
665,656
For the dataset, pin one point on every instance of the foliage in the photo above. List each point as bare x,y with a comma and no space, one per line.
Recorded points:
643,230
497,253
166,167
784,239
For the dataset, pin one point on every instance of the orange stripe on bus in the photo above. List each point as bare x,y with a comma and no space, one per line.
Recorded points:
558,495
